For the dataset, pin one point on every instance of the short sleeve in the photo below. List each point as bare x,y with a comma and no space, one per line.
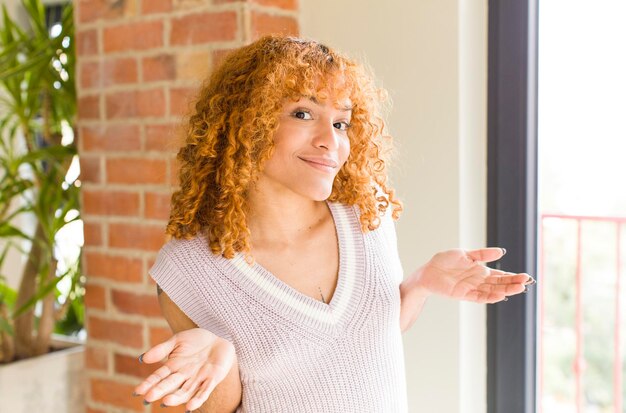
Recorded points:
388,227
385,238
178,277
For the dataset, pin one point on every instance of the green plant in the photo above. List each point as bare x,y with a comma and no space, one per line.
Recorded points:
37,107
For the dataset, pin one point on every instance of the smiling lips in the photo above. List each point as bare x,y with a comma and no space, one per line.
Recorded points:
323,164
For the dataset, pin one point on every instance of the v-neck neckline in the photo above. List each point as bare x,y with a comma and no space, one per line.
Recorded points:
350,275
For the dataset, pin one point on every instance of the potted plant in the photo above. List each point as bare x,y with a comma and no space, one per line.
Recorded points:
37,160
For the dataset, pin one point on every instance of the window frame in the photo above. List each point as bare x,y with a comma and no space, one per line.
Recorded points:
512,200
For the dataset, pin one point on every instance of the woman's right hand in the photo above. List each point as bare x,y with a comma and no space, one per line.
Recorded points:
197,360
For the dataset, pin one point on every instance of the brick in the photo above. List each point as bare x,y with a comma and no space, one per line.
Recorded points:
109,202
116,394
90,76
89,107
137,236
92,232
95,296
130,366
121,104
203,28
120,332
188,4
131,303
120,71
150,262
156,6
161,67
133,36
193,65
92,10
96,358
263,23
157,205
151,103
174,171
181,100
281,4
90,170
86,42
136,171
159,335
132,104
113,267
111,137
161,138
218,56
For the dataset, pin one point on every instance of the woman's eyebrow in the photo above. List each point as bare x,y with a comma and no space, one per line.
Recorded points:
346,108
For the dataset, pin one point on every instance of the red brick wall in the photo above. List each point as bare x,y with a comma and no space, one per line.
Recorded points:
138,60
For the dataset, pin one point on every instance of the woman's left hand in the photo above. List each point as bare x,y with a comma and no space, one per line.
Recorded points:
460,274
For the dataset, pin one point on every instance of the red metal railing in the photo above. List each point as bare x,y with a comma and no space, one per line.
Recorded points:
579,361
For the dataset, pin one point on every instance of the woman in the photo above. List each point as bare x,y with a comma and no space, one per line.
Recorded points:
282,281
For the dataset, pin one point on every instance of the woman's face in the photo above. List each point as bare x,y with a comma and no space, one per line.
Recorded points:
310,147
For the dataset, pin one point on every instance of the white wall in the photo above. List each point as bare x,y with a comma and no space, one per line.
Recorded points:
431,56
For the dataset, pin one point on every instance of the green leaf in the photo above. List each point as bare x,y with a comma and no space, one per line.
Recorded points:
38,60
43,292
7,295
37,15
58,152
3,256
6,327
26,74
8,230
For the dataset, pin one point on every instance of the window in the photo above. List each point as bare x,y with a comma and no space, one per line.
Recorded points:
512,200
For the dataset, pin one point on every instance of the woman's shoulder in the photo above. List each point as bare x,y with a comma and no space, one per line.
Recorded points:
386,218
190,253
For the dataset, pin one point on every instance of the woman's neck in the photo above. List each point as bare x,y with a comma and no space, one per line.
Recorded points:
283,218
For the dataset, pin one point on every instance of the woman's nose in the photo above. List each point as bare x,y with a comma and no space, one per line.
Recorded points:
326,136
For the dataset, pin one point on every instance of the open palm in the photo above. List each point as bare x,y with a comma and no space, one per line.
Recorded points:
197,361
459,274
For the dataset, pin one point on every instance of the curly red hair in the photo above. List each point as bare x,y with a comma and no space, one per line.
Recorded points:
230,131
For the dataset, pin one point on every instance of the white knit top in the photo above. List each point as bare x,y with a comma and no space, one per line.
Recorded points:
295,353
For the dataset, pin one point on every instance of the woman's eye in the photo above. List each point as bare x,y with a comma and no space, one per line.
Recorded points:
341,125
302,114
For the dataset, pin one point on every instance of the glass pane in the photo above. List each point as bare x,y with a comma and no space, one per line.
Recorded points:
582,206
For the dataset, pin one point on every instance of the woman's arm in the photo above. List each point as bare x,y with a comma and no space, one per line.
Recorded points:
412,300
192,352
459,274
227,394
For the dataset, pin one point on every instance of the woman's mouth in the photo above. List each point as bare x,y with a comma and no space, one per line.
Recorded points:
326,165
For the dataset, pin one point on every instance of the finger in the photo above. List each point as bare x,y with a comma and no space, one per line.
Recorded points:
502,289
184,393
211,374
152,380
215,374
501,277
166,386
158,352
485,297
486,254
530,281
202,395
